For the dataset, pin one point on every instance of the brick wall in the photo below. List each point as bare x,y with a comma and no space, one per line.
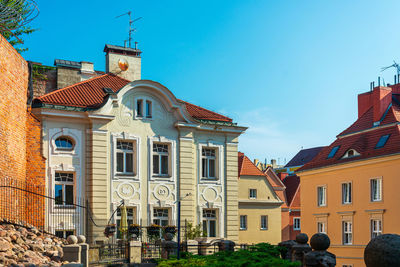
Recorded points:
22,167
13,91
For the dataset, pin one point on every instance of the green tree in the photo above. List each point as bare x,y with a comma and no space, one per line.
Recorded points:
14,16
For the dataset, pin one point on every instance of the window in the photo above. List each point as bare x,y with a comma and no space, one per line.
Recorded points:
376,189
376,228
296,223
64,188
139,108
321,227
382,141
333,152
125,157
210,222
130,212
347,233
64,233
351,153
64,143
346,193
264,222
161,216
253,193
243,222
321,192
160,159
208,159
148,109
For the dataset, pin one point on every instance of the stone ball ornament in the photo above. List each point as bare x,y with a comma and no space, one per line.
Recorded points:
383,251
81,239
302,238
71,239
320,241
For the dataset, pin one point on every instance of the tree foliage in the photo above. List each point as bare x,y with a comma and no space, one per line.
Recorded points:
13,17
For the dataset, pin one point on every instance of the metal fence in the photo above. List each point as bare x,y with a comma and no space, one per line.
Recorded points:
26,204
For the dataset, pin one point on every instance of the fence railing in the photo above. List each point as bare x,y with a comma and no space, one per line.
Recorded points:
26,204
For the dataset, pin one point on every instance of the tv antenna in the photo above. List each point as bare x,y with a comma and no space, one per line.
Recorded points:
131,28
394,65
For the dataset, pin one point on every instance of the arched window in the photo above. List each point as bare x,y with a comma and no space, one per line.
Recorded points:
64,143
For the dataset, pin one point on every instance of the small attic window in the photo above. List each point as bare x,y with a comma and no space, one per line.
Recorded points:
333,152
382,141
351,153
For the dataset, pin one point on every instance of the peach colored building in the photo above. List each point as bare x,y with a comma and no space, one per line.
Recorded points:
351,185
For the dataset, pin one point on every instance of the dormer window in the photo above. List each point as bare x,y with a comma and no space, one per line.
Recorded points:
139,108
148,109
382,141
333,152
64,143
350,153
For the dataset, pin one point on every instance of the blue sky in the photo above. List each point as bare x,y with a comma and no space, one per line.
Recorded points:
289,70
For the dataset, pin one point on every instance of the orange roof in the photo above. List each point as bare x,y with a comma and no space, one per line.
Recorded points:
90,94
247,167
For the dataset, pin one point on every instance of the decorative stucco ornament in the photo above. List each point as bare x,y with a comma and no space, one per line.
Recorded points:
123,64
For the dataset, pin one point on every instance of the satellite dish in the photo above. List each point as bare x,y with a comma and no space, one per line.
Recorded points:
123,64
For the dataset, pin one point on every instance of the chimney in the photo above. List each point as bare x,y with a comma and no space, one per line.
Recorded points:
123,61
87,67
382,97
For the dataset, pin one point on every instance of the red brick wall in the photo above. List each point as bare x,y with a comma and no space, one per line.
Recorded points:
13,91
22,166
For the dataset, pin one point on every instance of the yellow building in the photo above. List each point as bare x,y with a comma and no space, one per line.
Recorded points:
259,204
116,138
351,187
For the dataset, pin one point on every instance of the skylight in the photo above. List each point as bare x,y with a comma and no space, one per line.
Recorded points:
382,141
333,152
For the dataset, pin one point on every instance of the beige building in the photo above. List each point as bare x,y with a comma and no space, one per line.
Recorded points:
116,138
259,204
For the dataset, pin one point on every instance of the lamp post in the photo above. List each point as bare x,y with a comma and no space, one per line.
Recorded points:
178,254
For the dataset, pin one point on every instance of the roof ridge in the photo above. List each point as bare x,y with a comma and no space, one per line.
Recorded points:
205,109
80,83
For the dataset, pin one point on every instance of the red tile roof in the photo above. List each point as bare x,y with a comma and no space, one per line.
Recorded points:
363,142
90,94
247,167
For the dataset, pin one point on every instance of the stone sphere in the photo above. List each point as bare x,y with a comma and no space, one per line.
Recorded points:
301,238
81,239
169,236
320,241
72,239
383,251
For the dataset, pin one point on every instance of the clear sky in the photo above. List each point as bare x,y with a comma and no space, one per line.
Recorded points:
289,70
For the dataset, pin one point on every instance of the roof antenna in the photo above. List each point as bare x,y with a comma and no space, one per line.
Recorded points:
131,28
394,65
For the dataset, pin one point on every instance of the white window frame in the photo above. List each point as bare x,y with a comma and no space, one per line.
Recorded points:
149,108
124,153
161,218
243,222
207,159
73,134
321,201
160,156
64,184
252,193
206,222
321,227
125,137
139,111
219,162
171,159
69,138
296,223
264,222
347,232
376,196
376,227
347,192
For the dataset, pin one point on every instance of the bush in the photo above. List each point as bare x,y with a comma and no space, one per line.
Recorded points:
260,255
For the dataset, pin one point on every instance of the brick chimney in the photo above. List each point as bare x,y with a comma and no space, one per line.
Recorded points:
379,99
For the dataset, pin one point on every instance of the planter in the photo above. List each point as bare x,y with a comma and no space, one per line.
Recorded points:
134,229
153,231
110,230
170,230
